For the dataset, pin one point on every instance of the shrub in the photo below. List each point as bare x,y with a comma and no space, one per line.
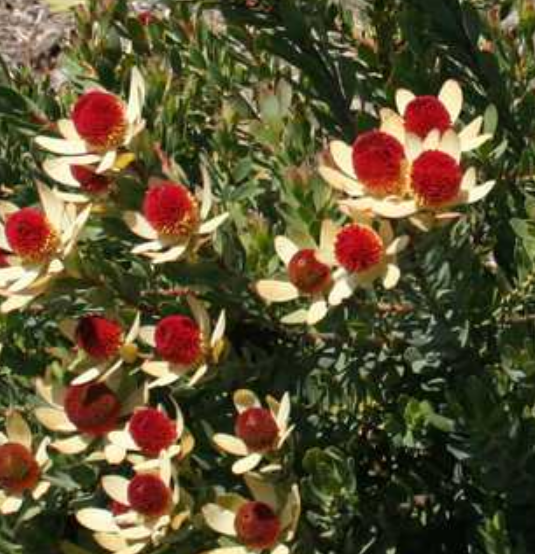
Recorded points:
267,281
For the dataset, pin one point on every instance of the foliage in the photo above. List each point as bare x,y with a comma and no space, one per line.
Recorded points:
415,424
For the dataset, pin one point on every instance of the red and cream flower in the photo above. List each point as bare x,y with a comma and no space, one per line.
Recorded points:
426,115
22,464
149,436
364,254
437,182
264,524
377,170
260,432
309,276
103,347
101,125
38,240
148,503
86,412
376,166
89,184
184,345
171,222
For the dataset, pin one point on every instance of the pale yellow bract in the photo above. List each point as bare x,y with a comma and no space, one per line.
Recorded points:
251,459
18,431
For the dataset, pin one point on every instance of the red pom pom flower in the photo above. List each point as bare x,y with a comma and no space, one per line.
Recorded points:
100,120
101,124
148,495
83,412
22,464
93,408
150,433
373,172
171,210
30,235
98,336
257,525
37,242
184,345
171,222
104,344
376,172
261,524
422,116
146,502
363,255
437,180
152,430
379,163
258,431
309,276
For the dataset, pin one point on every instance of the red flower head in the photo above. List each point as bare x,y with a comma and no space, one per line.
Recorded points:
171,209
100,119
30,235
18,469
436,178
90,181
93,408
149,495
257,525
358,248
257,428
379,163
425,113
178,340
99,337
152,430
307,273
